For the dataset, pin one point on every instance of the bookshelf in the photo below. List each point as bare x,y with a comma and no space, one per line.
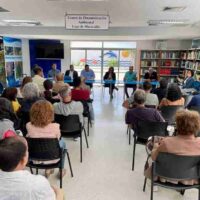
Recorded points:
167,63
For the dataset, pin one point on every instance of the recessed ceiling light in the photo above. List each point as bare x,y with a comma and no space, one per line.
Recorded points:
174,8
166,22
14,22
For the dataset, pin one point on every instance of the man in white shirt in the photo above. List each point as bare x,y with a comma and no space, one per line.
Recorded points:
38,78
17,183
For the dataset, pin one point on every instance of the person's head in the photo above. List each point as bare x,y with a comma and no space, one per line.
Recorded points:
71,67
65,94
26,80
163,83
54,66
48,84
13,154
111,69
6,109
59,77
173,92
77,82
147,86
150,70
190,73
87,68
187,122
10,93
30,91
131,69
139,97
38,71
41,113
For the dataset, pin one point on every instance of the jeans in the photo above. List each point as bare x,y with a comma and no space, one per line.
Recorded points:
62,146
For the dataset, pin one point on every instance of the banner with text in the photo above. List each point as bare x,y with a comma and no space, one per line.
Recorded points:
84,22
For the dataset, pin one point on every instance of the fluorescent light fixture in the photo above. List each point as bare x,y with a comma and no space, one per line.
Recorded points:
14,22
166,22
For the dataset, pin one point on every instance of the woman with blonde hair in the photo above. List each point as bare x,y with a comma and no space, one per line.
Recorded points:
41,126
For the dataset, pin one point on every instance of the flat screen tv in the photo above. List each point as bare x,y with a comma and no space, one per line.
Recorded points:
50,51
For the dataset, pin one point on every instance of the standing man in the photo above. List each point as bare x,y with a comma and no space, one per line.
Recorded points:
38,78
88,74
53,72
130,76
71,72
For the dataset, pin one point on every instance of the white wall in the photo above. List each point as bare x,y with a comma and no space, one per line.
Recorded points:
141,44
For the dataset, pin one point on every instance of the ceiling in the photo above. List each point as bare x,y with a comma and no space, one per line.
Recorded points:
130,15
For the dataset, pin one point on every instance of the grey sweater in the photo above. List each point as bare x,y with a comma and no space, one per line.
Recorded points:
72,108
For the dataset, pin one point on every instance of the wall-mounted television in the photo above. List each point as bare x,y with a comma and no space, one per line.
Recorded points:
50,51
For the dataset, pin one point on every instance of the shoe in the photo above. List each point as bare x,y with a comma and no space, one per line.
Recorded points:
63,173
48,172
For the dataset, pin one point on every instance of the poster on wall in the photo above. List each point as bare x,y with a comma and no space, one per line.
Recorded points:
2,63
13,57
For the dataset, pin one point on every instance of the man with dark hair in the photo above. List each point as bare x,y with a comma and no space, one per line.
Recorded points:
38,78
17,183
71,72
140,112
88,74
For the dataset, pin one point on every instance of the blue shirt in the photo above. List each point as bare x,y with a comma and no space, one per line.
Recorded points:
130,76
195,101
88,74
53,72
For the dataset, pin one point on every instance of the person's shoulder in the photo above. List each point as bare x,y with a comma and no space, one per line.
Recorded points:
54,125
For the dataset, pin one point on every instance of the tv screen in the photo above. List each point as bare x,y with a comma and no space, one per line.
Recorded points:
52,51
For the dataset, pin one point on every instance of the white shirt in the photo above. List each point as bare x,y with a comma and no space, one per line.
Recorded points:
39,81
22,185
71,74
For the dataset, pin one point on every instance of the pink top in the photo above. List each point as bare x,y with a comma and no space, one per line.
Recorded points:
52,130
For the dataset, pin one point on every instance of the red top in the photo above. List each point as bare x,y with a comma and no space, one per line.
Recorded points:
78,95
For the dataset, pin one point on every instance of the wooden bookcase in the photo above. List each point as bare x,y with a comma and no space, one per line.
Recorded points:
167,63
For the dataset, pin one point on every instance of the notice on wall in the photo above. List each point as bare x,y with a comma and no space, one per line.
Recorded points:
13,57
87,22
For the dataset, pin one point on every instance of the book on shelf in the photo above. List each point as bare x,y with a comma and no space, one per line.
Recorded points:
191,55
170,55
149,55
148,63
170,63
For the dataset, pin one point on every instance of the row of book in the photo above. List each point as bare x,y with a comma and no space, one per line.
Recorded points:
169,72
148,63
149,55
191,65
170,55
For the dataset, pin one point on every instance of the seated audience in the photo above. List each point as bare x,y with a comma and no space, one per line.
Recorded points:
140,112
110,75
59,83
185,143
150,99
53,71
195,101
10,93
48,94
17,183
31,94
151,75
129,77
162,90
41,126
25,80
83,86
67,106
7,117
188,82
173,96
78,93
38,78
71,72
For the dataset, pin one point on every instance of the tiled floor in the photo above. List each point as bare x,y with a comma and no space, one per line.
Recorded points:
105,173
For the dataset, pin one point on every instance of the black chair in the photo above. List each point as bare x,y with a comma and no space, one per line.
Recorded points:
46,149
195,108
175,167
1,88
169,112
70,126
25,118
146,129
